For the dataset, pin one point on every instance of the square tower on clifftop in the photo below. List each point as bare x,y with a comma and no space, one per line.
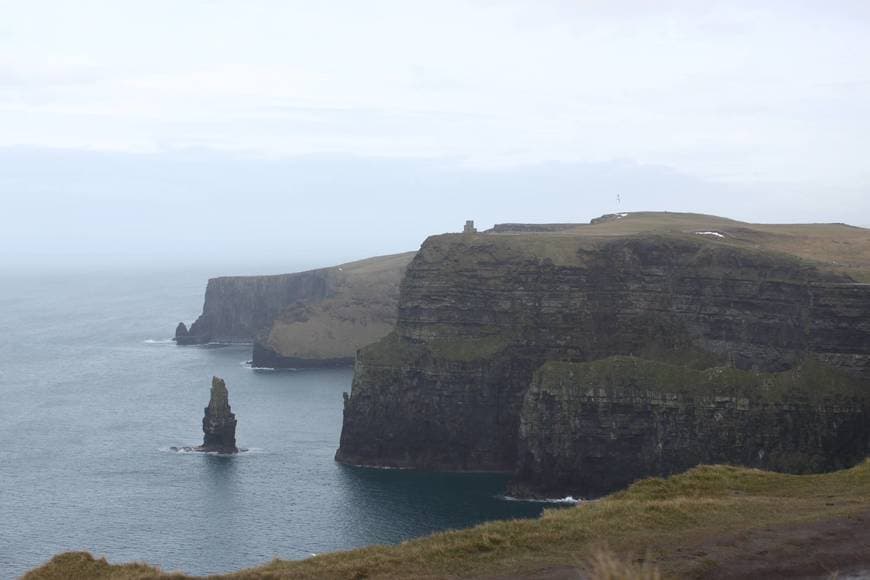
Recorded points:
469,227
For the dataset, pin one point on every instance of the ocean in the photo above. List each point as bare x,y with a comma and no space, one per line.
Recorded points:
93,395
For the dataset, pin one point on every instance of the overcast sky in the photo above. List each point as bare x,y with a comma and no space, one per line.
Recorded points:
210,130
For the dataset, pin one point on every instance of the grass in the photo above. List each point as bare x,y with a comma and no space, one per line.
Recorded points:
360,310
835,247
467,348
666,521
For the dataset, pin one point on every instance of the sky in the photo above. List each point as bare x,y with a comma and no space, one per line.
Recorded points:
295,134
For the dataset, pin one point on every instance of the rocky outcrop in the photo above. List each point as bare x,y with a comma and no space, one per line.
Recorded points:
218,423
480,314
313,318
182,335
589,428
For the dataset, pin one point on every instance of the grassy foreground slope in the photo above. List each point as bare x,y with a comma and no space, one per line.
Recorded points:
712,521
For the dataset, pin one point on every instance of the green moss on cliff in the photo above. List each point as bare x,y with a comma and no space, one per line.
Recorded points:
469,348
811,380
394,351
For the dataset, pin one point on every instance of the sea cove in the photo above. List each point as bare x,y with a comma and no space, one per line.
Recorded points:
94,395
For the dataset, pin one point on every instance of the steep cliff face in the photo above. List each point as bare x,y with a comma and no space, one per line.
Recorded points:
314,318
479,314
237,308
589,428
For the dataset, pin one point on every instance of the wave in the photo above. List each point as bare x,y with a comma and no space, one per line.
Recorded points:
250,365
381,467
158,340
191,450
567,500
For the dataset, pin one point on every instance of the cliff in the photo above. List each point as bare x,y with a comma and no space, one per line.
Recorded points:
587,428
359,310
238,308
480,314
313,318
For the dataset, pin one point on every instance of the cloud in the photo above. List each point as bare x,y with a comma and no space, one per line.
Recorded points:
740,92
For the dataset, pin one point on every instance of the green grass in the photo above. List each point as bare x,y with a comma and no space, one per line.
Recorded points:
467,348
655,519
811,380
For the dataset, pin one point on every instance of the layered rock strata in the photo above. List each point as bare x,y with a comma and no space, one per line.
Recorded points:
479,314
587,428
219,422
237,308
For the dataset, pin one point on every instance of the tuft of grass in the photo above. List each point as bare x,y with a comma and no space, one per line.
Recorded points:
83,566
604,565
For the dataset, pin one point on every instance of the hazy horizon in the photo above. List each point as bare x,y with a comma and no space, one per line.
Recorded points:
283,135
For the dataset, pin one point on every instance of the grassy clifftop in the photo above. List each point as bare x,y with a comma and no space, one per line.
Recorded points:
710,521
838,247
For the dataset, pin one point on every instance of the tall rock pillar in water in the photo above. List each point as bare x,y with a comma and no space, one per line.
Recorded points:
219,423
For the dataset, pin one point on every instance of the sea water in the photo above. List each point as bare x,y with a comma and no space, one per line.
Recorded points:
93,395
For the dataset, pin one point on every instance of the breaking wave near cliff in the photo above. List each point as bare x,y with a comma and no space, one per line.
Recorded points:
567,500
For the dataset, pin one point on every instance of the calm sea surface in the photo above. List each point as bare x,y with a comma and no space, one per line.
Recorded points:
92,396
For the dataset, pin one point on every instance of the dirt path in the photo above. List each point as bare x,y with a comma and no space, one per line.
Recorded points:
821,549
816,550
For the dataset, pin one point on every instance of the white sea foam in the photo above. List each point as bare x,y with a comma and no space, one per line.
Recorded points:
191,450
568,500
158,341
250,365
382,467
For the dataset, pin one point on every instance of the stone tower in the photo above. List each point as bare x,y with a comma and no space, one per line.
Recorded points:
469,227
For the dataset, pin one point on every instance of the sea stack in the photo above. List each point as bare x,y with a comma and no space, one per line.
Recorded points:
219,423
181,333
